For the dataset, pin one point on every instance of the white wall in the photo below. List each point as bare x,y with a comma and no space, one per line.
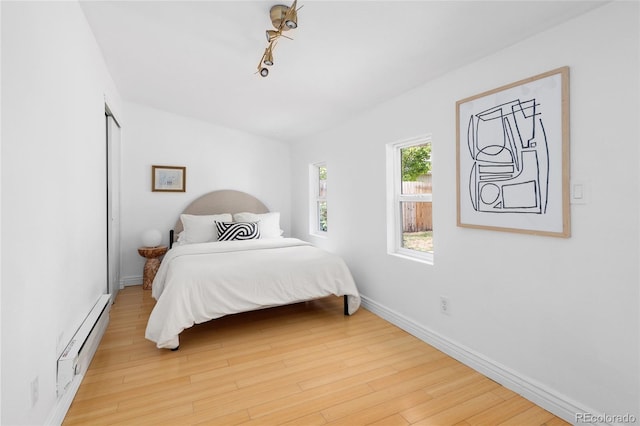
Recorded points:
54,84
562,315
215,158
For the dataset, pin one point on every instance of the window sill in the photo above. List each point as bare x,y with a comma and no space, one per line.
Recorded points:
427,260
322,235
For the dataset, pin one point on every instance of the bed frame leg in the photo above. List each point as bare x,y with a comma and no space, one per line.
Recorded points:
346,305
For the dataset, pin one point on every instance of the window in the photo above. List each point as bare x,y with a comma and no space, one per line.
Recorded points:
409,218
318,192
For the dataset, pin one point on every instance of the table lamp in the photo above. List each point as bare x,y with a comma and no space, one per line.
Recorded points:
151,238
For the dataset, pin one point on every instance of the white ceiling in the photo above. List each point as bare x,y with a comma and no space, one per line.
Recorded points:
199,58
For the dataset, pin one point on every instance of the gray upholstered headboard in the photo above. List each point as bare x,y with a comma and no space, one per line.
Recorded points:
223,201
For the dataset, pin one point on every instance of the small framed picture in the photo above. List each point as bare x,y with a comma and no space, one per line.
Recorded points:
168,178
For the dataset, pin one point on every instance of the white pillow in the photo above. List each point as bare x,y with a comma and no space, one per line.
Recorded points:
202,228
181,239
269,223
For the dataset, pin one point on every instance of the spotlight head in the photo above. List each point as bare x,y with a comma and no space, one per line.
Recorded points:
267,58
272,35
264,72
291,17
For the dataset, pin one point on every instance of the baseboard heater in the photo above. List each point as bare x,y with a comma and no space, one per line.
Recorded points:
77,355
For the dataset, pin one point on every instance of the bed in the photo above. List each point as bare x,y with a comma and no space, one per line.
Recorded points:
222,268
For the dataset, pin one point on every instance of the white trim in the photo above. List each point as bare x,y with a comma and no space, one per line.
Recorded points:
315,198
413,256
536,392
394,198
59,412
130,280
110,110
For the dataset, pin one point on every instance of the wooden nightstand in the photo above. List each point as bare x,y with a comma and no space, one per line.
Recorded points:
153,255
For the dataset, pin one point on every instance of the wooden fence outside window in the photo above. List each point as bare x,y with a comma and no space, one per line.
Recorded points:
417,216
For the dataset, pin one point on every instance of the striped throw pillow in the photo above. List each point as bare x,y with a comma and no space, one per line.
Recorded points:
229,231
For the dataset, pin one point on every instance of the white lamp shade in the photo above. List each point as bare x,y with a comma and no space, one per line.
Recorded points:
151,238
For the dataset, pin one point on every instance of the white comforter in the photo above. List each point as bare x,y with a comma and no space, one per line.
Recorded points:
200,282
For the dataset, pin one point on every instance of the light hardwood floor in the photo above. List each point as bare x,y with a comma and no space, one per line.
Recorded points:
303,364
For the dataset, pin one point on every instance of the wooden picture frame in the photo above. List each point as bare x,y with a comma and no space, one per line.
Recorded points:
168,179
512,157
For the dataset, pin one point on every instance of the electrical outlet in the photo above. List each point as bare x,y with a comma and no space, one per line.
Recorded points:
35,392
445,306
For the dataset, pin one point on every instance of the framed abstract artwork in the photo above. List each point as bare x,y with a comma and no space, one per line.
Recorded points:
168,178
513,157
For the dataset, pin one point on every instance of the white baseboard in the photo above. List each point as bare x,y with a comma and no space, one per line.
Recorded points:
64,402
530,389
131,280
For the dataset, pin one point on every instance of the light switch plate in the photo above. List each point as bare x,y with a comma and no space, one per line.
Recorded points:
579,192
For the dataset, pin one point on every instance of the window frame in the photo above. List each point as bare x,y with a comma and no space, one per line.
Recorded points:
315,198
395,198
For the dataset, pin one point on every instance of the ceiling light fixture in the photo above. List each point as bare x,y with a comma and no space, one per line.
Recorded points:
268,55
283,18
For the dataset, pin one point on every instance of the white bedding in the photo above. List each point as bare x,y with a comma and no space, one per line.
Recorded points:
200,282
